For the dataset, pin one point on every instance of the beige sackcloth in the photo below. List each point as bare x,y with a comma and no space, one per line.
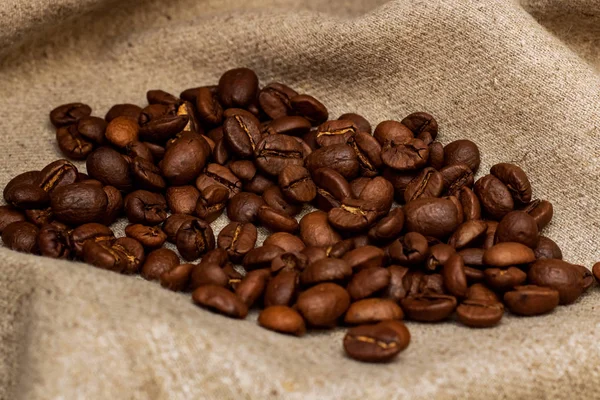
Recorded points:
519,78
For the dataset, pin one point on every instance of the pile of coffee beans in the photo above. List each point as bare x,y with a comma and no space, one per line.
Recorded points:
402,228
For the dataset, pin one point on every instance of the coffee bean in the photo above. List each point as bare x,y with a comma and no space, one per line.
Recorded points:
182,199
122,131
541,210
276,221
133,252
436,155
8,215
339,157
281,290
159,123
282,319
396,290
470,204
515,180
273,197
252,287
456,177
53,241
78,203
208,106
490,235
368,152
274,99
389,227
335,132
158,262
68,114
261,257
462,152
531,300
289,125
566,278
122,255
173,223
359,121
237,239
110,168
296,184
326,270
177,279
467,234
363,257
518,226
290,261
57,174
332,188
495,197
242,134
428,307
316,231
150,237
221,300
184,160
479,314
144,207
146,175
392,131
399,180
157,151
26,196
547,248
259,184
323,304
431,217
123,110
506,254
373,343
454,277
354,215
503,280
429,183
422,125
207,273
370,311
473,256
438,255
243,169
367,282
410,249
274,152
21,236
286,241
310,108
244,207
238,87
194,238
161,97
405,156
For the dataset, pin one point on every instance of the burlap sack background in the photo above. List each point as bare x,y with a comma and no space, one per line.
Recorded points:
521,79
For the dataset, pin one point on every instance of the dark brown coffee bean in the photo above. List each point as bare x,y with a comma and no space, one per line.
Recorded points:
78,203
21,236
389,227
293,261
244,206
110,168
467,234
515,180
282,319
8,215
207,273
194,238
150,237
495,197
161,97
474,275
122,255
158,262
369,311
335,132
326,270
396,290
374,343
367,282
479,314
542,211
290,125
68,114
359,121
237,239
470,204
518,226
92,231
566,278
490,235
431,217
323,304
274,99
53,241
339,157
159,123
531,300
405,156
410,249
276,221
378,194
26,178
273,197
310,108
208,106
399,180
122,131
286,241
259,184
454,277
368,152
296,184
473,256
221,300
184,160
133,253
392,131
238,88
26,195
547,248
261,257
72,144
422,125
332,188
144,207
147,175
429,183
363,257
242,134
428,307
243,169
178,278
123,110
56,174
274,152
503,280
211,202
457,176
182,199
157,151
316,231
281,290
354,215
506,254
462,152
438,255
436,155
252,286
173,223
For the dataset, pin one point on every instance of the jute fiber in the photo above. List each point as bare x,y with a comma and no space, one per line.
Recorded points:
519,78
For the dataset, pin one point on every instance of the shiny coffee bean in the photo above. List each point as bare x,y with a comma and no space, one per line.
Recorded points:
566,278
438,255
547,248
178,278
68,114
221,300
282,289
244,206
462,152
274,100
428,307
53,241
147,175
531,300
389,227
496,200
274,198
310,108
296,184
470,204
479,314
369,311
261,257
237,88
456,177
506,254
286,241
326,270
242,134
110,168
375,343
182,199
123,110
359,121
209,109
339,157
316,231
252,286
274,152
406,156
335,132
122,131
194,238
158,262
78,203
368,282
515,180
423,126
237,239
541,210
172,224
150,237
363,257
243,169
468,234
8,215
322,305
429,183
518,226
431,217
290,261
282,319
411,249
211,202
144,207
503,280
277,221
259,184
185,159
21,236
392,131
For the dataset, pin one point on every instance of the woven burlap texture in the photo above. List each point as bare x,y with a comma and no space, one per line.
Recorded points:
520,79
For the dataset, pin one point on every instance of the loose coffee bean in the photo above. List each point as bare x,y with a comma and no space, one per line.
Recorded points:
242,134
422,125
363,257
503,280
274,99
182,199
194,238
367,282
133,253
207,273
515,180
89,232
296,184
78,203
467,234
178,278
531,300
431,217
238,87
273,197
282,289
335,132
8,215
406,156
282,319
237,239
323,304
410,249
542,211
289,125
244,206
122,131
326,270
150,237
436,155
359,121
261,257
473,257
389,227
68,114
275,152
146,175
123,110
316,231
518,226
277,221
158,262
566,278
506,254
259,184
428,307
144,207
21,236
56,174
114,206
185,159
369,311
310,108
286,241
547,248
122,255
456,177
211,202
243,169
161,97
438,255
429,183
53,241
392,131
368,152
252,287
110,168
470,204
221,300
479,314
353,215
208,106
495,197
160,122
373,343
454,277
339,157
396,289
173,223
290,261
462,152
26,196
216,174
332,188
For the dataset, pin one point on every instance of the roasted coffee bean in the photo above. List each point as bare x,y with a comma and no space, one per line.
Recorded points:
243,169
367,282
547,248
359,121
515,180
428,307
405,156
429,183
479,314
123,110
396,290
273,197
244,206
194,238
364,257
53,241
296,184
259,184
379,194
208,106
173,223
133,252
158,262
57,174
340,249
150,237
157,151
207,273
221,300
542,211
290,261
368,152
474,275
335,132
68,114
26,196
159,123
422,125
238,88
490,235
431,217
339,157
495,197
237,239
456,177
282,289
289,125
462,152
282,319
21,236
242,134
114,207
503,280
454,277
392,131
274,152
468,233
354,215
332,188
436,155
518,226
531,300
286,241
110,168
8,215
369,311
161,97
399,180
470,204
144,207
122,255
389,227
314,253
147,175
178,278
78,203
326,270
473,256
310,108
438,255
86,232
506,254
219,175
566,278
25,178
374,343
323,304
182,199
184,160
276,221
316,231
410,249
122,131
261,257
211,202
274,99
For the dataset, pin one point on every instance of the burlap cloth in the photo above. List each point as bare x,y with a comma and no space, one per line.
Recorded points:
521,79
